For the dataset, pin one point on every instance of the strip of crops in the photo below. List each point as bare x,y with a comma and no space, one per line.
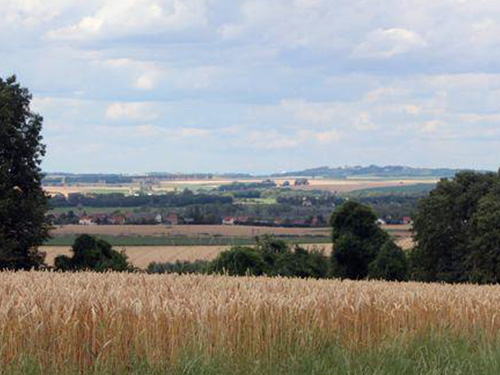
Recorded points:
86,318
68,240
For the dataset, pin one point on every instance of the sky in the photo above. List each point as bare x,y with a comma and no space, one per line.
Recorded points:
131,86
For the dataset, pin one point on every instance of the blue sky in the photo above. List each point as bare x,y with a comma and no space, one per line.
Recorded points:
258,85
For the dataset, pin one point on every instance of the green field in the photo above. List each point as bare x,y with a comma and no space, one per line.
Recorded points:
418,189
97,210
68,240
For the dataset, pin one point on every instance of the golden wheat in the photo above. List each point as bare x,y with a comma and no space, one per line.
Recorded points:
86,317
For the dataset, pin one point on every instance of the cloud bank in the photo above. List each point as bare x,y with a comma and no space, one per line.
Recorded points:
258,85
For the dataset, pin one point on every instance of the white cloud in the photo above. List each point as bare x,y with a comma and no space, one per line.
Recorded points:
364,122
321,137
388,43
131,111
135,17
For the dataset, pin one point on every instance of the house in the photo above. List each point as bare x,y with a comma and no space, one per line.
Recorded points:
141,218
381,222
173,218
316,221
116,220
241,220
100,218
86,220
229,220
407,220
300,223
159,219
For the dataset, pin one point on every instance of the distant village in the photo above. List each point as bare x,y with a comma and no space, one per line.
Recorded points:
174,218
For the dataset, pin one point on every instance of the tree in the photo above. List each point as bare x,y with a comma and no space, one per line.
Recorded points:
390,264
23,203
91,254
482,261
451,238
357,240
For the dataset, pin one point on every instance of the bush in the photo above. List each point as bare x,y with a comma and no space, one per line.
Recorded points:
239,261
302,263
91,254
198,266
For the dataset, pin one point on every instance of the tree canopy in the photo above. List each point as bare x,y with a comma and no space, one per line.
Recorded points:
457,231
357,240
23,204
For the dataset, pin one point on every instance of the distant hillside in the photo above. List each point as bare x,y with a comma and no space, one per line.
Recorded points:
372,171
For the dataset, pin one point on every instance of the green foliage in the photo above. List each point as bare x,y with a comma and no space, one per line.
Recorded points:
92,254
457,231
198,266
357,240
302,263
483,258
239,261
270,256
23,204
390,264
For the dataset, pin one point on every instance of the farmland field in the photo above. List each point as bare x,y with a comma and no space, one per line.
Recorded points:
341,186
155,324
144,244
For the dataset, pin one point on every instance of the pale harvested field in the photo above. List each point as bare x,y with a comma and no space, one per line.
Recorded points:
141,256
83,318
185,230
86,189
347,185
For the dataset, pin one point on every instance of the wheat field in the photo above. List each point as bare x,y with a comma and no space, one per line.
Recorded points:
89,318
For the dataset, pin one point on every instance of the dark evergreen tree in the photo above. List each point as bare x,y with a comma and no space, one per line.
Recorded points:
23,203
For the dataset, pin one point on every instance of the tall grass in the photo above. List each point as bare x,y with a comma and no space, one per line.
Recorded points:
114,321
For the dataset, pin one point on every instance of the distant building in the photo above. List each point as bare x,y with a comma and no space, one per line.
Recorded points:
159,219
116,220
407,220
173,218
241,220
381,222
301,182
85,220
228,220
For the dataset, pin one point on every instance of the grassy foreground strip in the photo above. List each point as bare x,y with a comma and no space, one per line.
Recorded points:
151,324
430,356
